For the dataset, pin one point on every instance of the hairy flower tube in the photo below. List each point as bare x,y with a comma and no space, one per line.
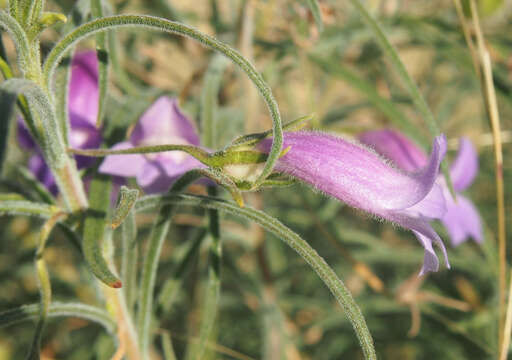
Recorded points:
83,100
356,175
162,123
461,219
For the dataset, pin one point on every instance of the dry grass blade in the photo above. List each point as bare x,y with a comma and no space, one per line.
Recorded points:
492,111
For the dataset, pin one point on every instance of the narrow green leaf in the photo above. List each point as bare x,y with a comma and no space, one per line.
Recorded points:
212,294
171,287
317,263
147,283
103,61
195,151
53,145
252,139
11,196
49,19
317,14
61,91
7,102
22,101
28,208
58,309
127,198
19,37
387,107
113,22
25,10
122,79
401,70
167,346
209,103
216,160
13,8
43,280
223,181
34,184
129,260
94,230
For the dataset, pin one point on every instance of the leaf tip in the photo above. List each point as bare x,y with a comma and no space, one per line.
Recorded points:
117,284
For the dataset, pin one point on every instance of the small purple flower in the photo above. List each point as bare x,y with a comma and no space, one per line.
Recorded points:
357,176
83,99
461,219
162,123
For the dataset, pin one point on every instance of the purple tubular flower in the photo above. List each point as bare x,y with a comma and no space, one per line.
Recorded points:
162,123
356,175
461,219
83,99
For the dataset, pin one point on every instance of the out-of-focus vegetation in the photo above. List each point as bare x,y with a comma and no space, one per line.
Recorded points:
272,305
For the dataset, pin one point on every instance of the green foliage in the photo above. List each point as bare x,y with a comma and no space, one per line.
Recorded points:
199,278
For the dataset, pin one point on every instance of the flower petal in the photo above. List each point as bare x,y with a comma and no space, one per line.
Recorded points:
83,96
462,220
83,135
426,235
41,171
352,173
465,167
159,174
358,176
24,138
433,206
164,123
395,147
152,178
123,165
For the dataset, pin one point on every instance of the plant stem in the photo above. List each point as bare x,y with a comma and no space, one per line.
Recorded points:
112,22
293,240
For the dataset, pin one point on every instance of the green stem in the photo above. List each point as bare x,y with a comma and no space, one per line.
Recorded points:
328,276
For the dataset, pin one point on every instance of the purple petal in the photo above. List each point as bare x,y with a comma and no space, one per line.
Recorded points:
354,174
426,235
159,174
164,123
41,171
462,220
83,96
123,165
433,206
84,136
465,167
24,138
358,176
395,147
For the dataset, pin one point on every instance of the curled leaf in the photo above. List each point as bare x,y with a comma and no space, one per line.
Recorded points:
127,198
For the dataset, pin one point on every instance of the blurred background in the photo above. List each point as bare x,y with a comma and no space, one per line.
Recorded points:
272,305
